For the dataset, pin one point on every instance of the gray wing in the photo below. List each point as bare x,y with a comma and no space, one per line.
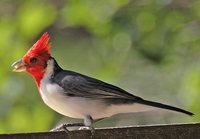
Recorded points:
83,86
79,85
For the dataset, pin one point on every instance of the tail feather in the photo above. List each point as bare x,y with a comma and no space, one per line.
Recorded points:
164,106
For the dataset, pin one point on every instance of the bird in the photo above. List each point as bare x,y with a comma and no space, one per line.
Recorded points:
76,95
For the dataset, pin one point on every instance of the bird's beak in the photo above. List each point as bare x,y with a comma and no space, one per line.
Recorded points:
19,66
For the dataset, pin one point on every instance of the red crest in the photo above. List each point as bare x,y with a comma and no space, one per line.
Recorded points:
41,48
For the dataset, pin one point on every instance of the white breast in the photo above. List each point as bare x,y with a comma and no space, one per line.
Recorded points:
74,107
53,96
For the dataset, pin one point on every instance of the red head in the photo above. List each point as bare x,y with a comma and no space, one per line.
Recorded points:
35,60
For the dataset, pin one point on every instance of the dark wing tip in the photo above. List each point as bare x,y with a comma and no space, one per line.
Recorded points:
190,113
164,106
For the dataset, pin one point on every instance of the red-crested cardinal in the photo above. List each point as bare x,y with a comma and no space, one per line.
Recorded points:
76,95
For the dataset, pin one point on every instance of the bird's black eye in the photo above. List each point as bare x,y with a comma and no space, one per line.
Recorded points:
33,60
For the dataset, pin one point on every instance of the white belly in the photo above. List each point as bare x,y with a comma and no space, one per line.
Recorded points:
74,107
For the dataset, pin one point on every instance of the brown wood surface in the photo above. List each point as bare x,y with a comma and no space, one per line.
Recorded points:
175,131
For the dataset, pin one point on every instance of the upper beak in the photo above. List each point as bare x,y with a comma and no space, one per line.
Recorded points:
19,66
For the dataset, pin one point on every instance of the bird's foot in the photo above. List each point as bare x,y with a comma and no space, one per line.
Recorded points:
92,130
63,127
84,128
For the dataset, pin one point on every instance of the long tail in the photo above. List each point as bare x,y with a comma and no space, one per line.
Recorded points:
164,106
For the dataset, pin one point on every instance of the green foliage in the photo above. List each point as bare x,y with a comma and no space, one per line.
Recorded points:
149,46
34,16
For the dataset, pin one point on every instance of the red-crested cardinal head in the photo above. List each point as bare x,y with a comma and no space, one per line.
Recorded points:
34,61
76,95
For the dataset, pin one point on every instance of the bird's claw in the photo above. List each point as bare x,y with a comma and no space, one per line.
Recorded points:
62,127
92,130
84,128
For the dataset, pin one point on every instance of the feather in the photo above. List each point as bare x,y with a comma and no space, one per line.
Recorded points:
40,49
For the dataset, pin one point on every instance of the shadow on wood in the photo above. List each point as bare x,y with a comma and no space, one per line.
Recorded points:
176,131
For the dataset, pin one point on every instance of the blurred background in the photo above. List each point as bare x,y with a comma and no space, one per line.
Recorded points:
147,47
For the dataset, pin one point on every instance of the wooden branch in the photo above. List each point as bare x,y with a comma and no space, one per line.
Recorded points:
176,131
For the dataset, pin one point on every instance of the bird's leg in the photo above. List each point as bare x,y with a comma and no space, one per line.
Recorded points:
63,127
88,121
88,124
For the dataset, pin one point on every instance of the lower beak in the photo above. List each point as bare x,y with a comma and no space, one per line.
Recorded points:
19,66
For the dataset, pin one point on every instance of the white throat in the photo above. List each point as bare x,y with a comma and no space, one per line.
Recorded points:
49,91
49,69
